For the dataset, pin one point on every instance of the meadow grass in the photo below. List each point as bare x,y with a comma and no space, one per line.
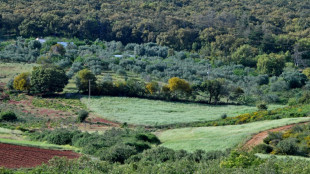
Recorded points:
42,145
155,112
9,70
267,156
16,137
220,137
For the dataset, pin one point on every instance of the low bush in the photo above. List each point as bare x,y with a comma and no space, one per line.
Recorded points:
8,116
262,106
287,147
241,160
82,116
118,153
263,148
223,116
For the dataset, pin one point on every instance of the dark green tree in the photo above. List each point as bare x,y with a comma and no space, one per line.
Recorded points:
213,87
48,79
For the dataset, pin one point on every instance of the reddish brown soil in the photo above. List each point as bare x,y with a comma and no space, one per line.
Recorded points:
14,156
258,138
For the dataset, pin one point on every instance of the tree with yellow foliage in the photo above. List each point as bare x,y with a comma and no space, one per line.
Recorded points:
177,84
152,87
22,82
306,72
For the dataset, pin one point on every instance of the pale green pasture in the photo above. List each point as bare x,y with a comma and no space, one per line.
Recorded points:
155,112
267,156
220,137
9,70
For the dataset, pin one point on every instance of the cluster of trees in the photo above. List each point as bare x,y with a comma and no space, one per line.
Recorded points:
212,25
263,77
43,80
175,89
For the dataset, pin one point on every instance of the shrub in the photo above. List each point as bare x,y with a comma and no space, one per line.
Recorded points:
262,148
22,82
241,160
262,106
224,116
287,147
118,153
8,116
83,78
148,138
273,136
60,137
82,116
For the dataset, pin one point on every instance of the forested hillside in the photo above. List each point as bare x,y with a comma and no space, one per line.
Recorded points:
216,28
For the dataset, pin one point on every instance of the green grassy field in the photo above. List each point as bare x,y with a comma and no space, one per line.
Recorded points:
9,70
154,112
218,138
18,138
267,156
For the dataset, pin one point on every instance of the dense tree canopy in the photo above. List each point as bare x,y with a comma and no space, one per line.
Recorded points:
48,80
222,26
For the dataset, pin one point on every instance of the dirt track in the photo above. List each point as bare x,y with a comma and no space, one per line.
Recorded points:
14,156
258,138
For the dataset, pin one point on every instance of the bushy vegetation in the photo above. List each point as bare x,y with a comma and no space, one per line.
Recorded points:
115,145
174,162
7,116
206,80
82,115
294,141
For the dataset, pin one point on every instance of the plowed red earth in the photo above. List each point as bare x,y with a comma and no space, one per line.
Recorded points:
14,156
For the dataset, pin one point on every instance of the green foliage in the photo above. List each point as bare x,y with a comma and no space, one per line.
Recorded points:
83,78
241,160
245,55
271,64
287,147
48,80
7,116
82,115
223,116
213,87
115,145
262,106
118,153
294,79
306,72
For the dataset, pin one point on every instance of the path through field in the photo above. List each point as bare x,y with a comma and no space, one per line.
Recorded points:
259,138
14,156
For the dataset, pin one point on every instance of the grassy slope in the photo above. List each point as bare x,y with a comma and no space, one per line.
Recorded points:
152,112
16,137
9,70
218,138
267,156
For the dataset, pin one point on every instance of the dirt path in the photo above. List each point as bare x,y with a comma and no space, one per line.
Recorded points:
258,138
14,156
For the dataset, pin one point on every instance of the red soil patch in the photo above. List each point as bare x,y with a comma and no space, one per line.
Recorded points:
14,156
259,138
